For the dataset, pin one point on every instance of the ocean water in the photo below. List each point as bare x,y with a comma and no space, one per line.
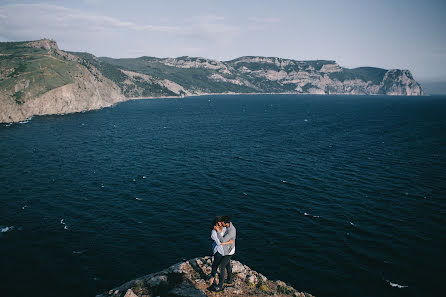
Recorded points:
335,195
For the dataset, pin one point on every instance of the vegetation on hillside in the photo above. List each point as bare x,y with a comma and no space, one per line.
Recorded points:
27,72
375,75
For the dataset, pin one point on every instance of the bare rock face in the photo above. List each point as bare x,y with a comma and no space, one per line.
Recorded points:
400,82
47,44
187,279
84,87
276,75
137,84
87,92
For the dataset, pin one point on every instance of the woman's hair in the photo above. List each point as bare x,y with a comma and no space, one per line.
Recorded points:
215,221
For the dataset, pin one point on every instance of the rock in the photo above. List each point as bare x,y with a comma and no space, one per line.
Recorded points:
262,277
252,279
241,275
186,290
130,293
237,267
47,44
177,268
157,281
185,280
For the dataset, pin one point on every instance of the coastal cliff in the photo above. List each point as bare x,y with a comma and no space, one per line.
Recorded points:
187,279
183,76
37,78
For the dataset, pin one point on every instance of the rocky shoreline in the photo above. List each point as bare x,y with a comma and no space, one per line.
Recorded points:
187,279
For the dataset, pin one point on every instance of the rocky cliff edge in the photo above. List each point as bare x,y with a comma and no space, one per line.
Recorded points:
187,279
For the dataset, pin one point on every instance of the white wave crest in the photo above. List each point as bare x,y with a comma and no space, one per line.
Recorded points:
62,221
26,121
395,285
6,229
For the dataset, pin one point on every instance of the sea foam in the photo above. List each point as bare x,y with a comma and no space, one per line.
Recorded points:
6,229
395,285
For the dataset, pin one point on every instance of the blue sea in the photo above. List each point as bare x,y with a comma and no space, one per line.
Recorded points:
335,195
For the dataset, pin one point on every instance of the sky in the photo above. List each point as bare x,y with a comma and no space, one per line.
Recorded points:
404,34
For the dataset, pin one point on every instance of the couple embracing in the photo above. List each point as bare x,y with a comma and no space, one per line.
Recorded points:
223,247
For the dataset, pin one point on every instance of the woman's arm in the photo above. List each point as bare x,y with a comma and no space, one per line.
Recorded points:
215,237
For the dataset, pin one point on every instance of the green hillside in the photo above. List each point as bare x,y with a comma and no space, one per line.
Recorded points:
375,75
189,78
35,69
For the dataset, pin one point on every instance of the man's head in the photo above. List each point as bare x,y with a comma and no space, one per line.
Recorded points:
225,221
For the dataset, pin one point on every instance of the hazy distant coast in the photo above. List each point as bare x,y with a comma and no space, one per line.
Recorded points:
37,78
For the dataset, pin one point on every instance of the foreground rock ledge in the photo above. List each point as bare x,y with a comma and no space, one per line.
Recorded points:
187,279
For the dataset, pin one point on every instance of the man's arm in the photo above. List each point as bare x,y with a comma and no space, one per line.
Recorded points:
224,241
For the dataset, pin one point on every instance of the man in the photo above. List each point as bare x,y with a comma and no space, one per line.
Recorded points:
228,251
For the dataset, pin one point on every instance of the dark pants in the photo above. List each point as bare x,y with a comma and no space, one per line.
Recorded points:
225,264
215,263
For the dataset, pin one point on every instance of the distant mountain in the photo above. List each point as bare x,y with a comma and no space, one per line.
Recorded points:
37,78
149,76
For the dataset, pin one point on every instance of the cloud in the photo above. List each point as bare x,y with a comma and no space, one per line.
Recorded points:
92,2
268,20
29,21
76,29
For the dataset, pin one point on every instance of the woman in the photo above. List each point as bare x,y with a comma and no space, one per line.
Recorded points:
217,248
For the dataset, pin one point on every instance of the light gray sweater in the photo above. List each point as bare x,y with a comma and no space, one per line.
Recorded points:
231,232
